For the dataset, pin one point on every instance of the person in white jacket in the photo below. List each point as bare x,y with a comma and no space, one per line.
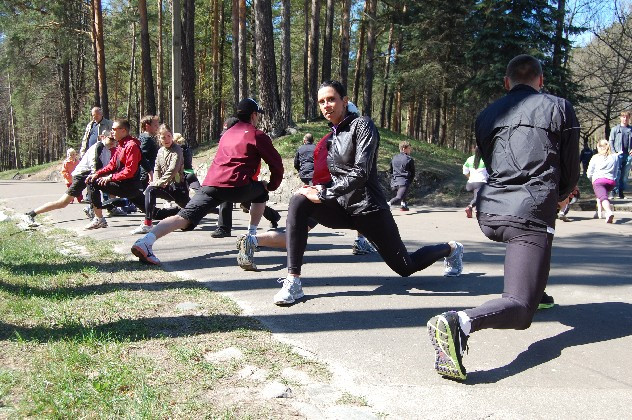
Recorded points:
96,157
602,171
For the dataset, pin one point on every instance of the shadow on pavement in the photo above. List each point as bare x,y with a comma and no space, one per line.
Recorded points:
591,323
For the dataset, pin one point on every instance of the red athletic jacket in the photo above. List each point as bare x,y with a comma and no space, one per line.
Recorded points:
321,170
125,160
238,158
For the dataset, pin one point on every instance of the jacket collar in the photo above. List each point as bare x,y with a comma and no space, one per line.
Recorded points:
523,88
344,123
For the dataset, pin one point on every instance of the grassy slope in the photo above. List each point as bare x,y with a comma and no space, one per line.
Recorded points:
26,172
439,177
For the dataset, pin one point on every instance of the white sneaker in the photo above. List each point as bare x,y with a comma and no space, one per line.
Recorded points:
115,211
362,246
89,212
245,256
609,217
453,263
144,252
29,220
142,229
97,223
290,292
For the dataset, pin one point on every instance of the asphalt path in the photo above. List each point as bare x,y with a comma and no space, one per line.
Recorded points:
368,324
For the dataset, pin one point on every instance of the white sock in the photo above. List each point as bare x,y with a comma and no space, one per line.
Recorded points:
465,322
150,238
297,278
255,241
252,230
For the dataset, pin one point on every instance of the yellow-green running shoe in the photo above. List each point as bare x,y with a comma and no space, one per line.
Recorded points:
450,343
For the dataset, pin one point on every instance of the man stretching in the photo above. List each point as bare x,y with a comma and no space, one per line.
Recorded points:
229,178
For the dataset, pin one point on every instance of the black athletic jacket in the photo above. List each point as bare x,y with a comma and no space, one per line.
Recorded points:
529,142
402,170
352,162
304,160
149,151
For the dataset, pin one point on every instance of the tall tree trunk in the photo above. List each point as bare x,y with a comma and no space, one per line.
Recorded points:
327,41
397,118
398,46
359,56
367,97
345,30
558,40
176,66
235,51
150,98
131,72
306,13
103,87
159,67
272,121
243,40
410,124
312,59
286,64
215,90
222,44
16,143
188,73
387,68
252,58
97,94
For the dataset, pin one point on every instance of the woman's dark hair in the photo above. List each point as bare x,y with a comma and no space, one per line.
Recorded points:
338,87
477,157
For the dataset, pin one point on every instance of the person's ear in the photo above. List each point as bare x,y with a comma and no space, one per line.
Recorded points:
507,83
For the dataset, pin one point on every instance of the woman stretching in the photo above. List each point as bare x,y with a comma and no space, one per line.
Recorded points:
353,201
474,169
168,181
602,170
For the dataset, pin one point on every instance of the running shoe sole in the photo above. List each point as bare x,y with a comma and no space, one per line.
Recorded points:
245,254
289,302
142,255
446,361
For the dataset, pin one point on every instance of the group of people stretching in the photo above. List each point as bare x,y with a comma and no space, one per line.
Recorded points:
527,140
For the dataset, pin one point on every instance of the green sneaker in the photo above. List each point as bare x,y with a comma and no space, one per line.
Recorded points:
450,343
547,302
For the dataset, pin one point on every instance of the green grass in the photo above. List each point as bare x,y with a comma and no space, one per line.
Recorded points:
102,337
28,171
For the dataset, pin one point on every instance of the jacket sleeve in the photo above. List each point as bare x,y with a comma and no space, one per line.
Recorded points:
411,169
613,136
297,162
591,168
96,163
131,157
84,140
569,152
366,140
270,156
65,170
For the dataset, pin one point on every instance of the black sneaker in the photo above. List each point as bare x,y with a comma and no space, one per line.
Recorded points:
220,233
547,302
274,224
450,343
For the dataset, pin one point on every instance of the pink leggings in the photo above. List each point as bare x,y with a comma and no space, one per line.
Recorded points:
602,186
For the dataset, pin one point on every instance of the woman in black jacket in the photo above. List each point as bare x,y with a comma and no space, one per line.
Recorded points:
354,200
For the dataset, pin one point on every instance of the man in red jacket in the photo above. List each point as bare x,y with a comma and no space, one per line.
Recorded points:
229,178
120,177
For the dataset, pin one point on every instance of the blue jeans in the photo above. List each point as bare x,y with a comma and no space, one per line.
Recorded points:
625,161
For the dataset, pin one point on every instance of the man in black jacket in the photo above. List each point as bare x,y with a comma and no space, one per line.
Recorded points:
530,145
304,159
148,148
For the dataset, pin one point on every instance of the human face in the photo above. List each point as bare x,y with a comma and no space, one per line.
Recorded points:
152,128
119,132
625,120
332,105
96,116
166,138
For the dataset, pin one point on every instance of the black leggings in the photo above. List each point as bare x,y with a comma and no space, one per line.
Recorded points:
527,263
180,196
474,186
378,227
129,188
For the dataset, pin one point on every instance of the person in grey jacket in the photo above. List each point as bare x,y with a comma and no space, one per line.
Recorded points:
98,125
353,200
621,144
529,142
304,159
169,181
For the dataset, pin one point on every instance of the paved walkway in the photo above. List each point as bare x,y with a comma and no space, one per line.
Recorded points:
369,325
